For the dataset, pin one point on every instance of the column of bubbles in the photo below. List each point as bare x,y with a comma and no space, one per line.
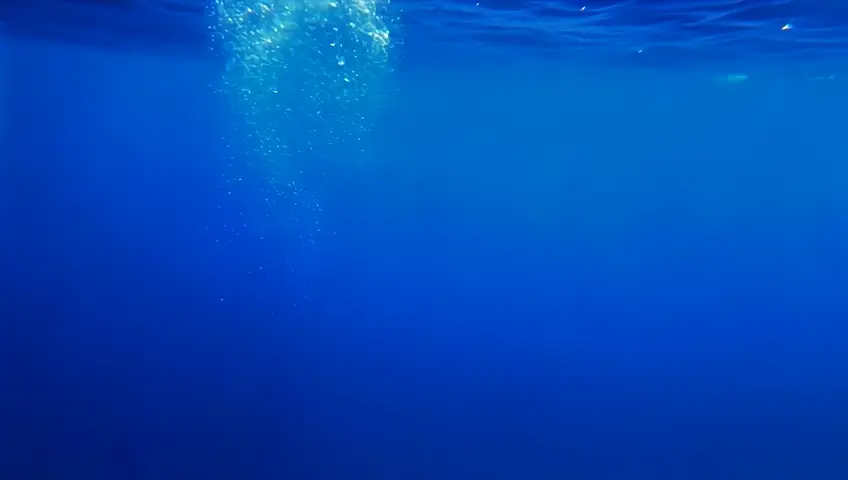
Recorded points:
304,80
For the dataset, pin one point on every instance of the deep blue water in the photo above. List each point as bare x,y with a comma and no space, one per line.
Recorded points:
426,240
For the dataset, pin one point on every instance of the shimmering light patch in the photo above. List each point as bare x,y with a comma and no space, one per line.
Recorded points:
305,79
736,78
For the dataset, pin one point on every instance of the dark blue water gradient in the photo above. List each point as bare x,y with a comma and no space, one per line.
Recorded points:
642,31
554,275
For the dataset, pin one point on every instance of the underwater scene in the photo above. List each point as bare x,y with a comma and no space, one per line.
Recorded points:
424,240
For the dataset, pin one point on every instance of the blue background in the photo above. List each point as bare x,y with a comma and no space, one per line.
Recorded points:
597,269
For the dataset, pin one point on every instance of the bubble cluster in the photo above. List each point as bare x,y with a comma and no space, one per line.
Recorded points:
304,80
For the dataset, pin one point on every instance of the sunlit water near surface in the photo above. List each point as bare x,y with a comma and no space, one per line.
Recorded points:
353,239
